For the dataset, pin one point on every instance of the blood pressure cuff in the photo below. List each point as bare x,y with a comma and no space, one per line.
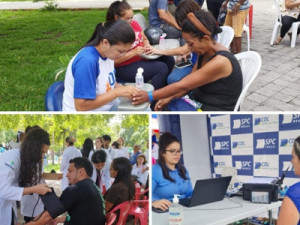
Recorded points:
52,204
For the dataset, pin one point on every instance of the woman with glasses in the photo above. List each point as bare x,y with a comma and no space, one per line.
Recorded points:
126,67
216,80
290,209
169,176
90,82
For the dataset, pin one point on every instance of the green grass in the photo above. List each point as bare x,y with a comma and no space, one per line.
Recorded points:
55,167
31,43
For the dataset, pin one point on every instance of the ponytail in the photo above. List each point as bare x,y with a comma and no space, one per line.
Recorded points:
117,31
117,8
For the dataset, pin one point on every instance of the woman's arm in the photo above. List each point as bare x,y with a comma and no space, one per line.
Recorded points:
288,213
40,189
130,54
108,206
174,51
101,100
217,68
290,4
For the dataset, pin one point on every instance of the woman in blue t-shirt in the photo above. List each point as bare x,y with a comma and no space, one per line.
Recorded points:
169,176
290,208
90,82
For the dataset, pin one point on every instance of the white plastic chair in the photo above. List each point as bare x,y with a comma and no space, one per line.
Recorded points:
246,29
226,36
141,20
250,63
278,6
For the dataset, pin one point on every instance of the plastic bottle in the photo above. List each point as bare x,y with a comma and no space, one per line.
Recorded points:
162,43
176,212
139,79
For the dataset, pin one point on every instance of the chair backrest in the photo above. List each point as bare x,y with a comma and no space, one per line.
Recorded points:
124,208
110,218
141,204
250,63
226,36
54,96
279,7
141,20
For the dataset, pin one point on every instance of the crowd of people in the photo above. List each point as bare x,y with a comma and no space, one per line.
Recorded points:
119,46
94,179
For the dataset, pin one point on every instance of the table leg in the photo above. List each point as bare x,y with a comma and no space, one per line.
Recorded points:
270,217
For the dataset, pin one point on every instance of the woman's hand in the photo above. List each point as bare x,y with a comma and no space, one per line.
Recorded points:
162,103
140,97
125,91
139,50
155,51
147,48
57,220
162,204
41,189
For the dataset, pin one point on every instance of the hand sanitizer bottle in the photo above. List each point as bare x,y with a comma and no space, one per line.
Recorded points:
162,43
139,79
176,212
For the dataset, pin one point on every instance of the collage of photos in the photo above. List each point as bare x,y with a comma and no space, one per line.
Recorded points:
149,112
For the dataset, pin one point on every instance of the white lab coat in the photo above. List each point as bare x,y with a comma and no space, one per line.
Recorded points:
91,154
142,176
125,150
69,153
105,175
111,153
119,153
10,192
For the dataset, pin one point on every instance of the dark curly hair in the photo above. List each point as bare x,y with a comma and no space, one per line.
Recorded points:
32,156
164,140
207,20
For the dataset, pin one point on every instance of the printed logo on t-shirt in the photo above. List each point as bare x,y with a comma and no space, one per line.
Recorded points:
138,39
111,81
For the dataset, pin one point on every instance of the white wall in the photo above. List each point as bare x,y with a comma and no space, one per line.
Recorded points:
195,143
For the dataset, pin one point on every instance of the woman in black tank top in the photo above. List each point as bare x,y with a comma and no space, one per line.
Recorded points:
215,82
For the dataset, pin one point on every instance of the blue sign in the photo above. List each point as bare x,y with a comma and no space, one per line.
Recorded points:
221,145
286,166
241,124
265,143
289,122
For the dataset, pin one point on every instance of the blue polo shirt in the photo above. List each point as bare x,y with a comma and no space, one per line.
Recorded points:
165,189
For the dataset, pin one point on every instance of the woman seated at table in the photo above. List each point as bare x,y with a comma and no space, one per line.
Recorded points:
291,14
126,67
169,176
216,80
140,169
290,209
122,189
90,82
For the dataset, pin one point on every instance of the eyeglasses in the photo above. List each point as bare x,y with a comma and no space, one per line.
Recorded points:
174,151
129,20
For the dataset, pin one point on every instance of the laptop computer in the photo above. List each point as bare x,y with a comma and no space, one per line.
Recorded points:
207,191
